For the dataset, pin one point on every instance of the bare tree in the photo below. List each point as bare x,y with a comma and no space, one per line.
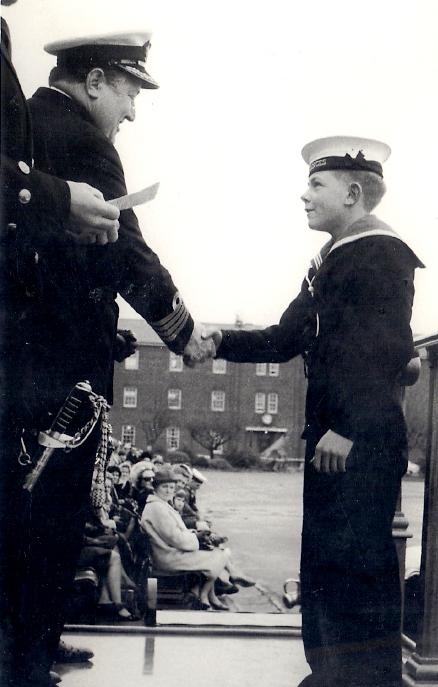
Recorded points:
154,425
212,436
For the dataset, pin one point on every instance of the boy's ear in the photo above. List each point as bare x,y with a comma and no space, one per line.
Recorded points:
354,193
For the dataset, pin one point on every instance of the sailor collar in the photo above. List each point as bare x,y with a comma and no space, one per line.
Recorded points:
379,229
364,234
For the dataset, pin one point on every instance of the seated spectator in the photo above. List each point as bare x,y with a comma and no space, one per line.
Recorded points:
133,455
142,486
123,451
113,448
157,461
179,499
193,519
116,473
100,552
196,481
183,475
175,548
147,453
124,487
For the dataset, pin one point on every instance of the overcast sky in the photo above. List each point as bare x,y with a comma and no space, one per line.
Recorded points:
244,85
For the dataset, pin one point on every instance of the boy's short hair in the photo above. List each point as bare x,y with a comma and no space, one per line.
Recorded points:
373,186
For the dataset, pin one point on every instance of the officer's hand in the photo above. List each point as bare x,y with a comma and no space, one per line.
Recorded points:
125,345
198,349
214,334
92,219
331,453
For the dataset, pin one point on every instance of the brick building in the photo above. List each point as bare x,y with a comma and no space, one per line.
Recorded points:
153,388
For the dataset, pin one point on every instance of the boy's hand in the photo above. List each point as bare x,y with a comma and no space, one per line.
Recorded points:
331,453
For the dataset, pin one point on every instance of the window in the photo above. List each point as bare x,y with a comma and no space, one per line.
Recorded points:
175,362
218,401
172,437
131,363
219,367
274,369
128,434
261,369
260,403
273,404
174,399
130,397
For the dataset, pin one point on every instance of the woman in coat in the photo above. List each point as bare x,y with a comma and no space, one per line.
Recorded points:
176,548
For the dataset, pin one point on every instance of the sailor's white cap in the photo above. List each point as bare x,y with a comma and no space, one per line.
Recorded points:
345,152
126,51
198,476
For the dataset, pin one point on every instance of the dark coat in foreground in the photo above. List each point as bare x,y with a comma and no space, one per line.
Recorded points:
351,324
33,205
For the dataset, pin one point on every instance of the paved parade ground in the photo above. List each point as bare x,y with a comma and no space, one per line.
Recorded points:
261,513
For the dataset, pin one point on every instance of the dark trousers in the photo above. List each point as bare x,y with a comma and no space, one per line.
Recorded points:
349,570
40,544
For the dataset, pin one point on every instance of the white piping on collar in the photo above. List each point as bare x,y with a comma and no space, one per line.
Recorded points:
371,232
53,88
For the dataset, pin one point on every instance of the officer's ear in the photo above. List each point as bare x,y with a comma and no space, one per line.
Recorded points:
94,82
354,193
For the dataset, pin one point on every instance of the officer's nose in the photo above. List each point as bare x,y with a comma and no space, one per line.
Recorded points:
131,115
305,197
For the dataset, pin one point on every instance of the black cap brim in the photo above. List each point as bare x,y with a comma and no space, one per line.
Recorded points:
147,81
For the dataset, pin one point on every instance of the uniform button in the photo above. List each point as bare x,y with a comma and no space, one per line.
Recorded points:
24,196
24,167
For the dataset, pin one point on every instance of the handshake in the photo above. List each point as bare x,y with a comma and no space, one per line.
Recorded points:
203,344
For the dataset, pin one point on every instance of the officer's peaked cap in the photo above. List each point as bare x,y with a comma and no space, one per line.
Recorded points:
126,51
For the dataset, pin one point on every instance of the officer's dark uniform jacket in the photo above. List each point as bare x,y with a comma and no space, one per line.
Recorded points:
77,285
352,325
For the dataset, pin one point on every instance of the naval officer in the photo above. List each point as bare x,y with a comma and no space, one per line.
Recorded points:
93,90
32,202
350,321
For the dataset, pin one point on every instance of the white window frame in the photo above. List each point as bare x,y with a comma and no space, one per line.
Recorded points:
130,396
132,362
218,401
173,438
260,403
219,366
128,434
261,369
177,403
272,404
274,369
175,362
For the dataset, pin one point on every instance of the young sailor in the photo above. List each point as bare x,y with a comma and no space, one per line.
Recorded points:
351,323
